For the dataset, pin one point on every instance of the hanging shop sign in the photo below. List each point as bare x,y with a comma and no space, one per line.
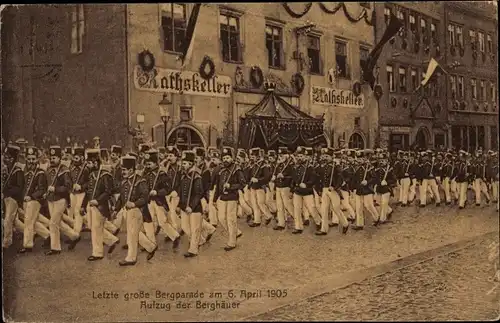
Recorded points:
336,97
182,82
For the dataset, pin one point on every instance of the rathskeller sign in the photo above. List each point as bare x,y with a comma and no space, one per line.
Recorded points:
182,82
341,98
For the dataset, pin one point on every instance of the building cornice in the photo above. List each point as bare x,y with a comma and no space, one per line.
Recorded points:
471,9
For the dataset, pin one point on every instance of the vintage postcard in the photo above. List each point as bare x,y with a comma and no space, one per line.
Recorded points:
300,161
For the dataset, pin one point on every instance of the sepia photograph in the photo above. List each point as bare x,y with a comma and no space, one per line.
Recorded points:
250,161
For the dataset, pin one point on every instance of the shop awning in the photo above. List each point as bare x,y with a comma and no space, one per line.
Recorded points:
273,122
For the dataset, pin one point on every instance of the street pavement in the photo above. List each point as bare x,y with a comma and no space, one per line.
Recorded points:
283,267
456,286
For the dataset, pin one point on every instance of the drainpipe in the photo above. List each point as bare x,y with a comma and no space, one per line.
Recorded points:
445,47
127,81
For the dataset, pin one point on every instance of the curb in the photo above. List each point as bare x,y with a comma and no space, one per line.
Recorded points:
344,280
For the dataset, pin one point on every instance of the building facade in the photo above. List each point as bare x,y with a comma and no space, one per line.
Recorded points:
63,73
457,109
472,88
89,81
242,38
409,116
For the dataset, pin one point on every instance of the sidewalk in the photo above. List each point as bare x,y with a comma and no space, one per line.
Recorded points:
62,288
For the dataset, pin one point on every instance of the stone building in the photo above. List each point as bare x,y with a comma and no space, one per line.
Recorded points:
88,81
409,116
472,88
445,114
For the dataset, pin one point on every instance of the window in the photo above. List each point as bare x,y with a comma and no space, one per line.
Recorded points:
490,44
341,58
363,56
473,84
482,91
480,37
413,25
493,92
390,78
402,16
472,36
460,36
365,5
414,79
435,87
230,38
314,53
77,28
494,137
186,113
274,45
387,15
461,89
173,26
356,141
402,79
453,86
434,32
423,26
480,136
439,140
357,121
451,35
399,141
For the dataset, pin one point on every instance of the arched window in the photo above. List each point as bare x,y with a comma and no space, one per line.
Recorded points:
185,138
356,141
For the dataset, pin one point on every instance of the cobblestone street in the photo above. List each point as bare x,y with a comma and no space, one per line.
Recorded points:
64,288
455,286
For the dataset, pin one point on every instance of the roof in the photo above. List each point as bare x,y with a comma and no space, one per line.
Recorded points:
274,106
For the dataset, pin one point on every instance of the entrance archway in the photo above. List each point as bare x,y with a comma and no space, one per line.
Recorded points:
422,138
356,141
185,137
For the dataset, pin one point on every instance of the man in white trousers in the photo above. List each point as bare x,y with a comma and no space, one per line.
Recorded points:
134,196
12,191
35,186
57,197
228,180
159,187
98,193
282,180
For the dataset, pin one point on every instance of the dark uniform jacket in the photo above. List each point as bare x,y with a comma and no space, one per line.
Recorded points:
370,180
137,188
303,173
329,176
390,179
36,184
206,181
162,186
80,175
173,173
262,172
286,169
15,185
233,175
62,183
463,170
190,190
99,189
347,174
117,177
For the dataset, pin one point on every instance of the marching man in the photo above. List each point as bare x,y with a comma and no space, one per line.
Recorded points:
190,192
57,196
134,196
98,193
36,186
282,179
12,192
228,180
80,177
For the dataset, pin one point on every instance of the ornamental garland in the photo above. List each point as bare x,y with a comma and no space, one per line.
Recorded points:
146,60
207,61
297,15
377,90
256,77
364,13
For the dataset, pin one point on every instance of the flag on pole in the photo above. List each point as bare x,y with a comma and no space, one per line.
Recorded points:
190,34
432,68
392,29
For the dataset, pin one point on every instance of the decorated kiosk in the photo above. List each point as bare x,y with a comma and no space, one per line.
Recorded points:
273,122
